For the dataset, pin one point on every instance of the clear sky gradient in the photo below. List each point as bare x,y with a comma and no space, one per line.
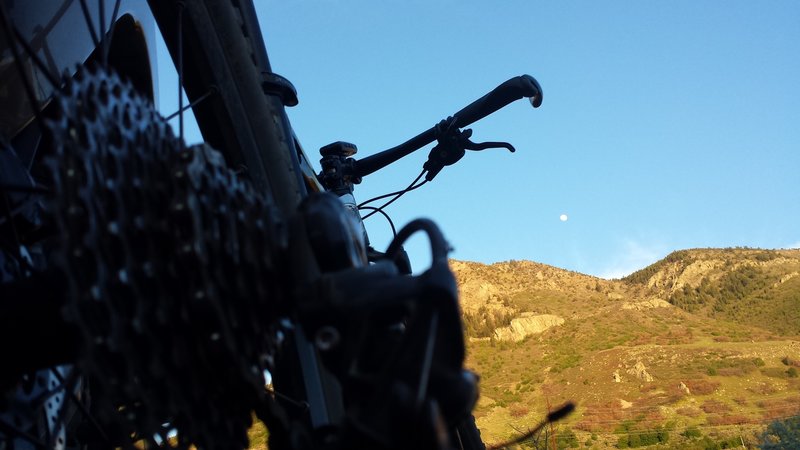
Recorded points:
665,125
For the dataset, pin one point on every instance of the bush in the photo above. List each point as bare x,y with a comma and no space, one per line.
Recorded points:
633,437
702,387
714,406
763,388
778,407
485,321
643,438
782,434
567,439
792,372
692,432
688,411
728,419
518,411
790,361
663,436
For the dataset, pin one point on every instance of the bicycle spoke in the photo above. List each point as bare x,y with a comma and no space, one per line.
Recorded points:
52,79
101,13
180,70
14,232
89,23
82,408
7,188
9,35
209,93
12,431
179,27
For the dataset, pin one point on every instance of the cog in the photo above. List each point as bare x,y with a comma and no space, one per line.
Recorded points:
172,267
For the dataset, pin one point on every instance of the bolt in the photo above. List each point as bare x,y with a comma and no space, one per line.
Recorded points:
327,338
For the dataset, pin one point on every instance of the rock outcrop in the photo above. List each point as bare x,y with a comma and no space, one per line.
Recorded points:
526,325
647,304
640,372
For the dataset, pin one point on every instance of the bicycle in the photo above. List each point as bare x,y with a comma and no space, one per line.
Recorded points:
133,266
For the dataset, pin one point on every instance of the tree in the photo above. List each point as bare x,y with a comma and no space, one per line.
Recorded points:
782,435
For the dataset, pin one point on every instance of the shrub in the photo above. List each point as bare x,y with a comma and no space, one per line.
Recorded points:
763,389
790,361
778,407
728,419
692,432
792,372
663,436
733,371
518,411
648,387
567,438
642,438
782,434
688,412
714,406
702,386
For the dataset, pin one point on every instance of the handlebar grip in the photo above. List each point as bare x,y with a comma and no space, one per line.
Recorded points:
513,89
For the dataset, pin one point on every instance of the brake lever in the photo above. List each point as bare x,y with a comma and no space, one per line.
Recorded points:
478,146
452,146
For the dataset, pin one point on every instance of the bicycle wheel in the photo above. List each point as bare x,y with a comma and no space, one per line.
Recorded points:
117,185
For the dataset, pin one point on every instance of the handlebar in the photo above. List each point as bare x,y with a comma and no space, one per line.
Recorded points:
513,89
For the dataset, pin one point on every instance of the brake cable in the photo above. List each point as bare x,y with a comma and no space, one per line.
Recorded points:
414,185
385,216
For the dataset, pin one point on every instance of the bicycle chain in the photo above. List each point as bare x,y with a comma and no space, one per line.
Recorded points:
172,268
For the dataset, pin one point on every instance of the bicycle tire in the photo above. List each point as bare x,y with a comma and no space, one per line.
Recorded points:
245,124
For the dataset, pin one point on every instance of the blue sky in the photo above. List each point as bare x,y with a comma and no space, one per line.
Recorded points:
665,125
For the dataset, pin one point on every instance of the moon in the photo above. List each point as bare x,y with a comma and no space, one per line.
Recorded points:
563,217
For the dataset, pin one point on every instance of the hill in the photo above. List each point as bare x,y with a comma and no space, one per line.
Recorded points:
757,286
697,348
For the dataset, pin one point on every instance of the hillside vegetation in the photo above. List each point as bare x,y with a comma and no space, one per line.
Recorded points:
697,350
759,287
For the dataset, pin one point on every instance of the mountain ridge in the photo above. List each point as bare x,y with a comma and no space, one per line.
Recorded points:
726,282
700,338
